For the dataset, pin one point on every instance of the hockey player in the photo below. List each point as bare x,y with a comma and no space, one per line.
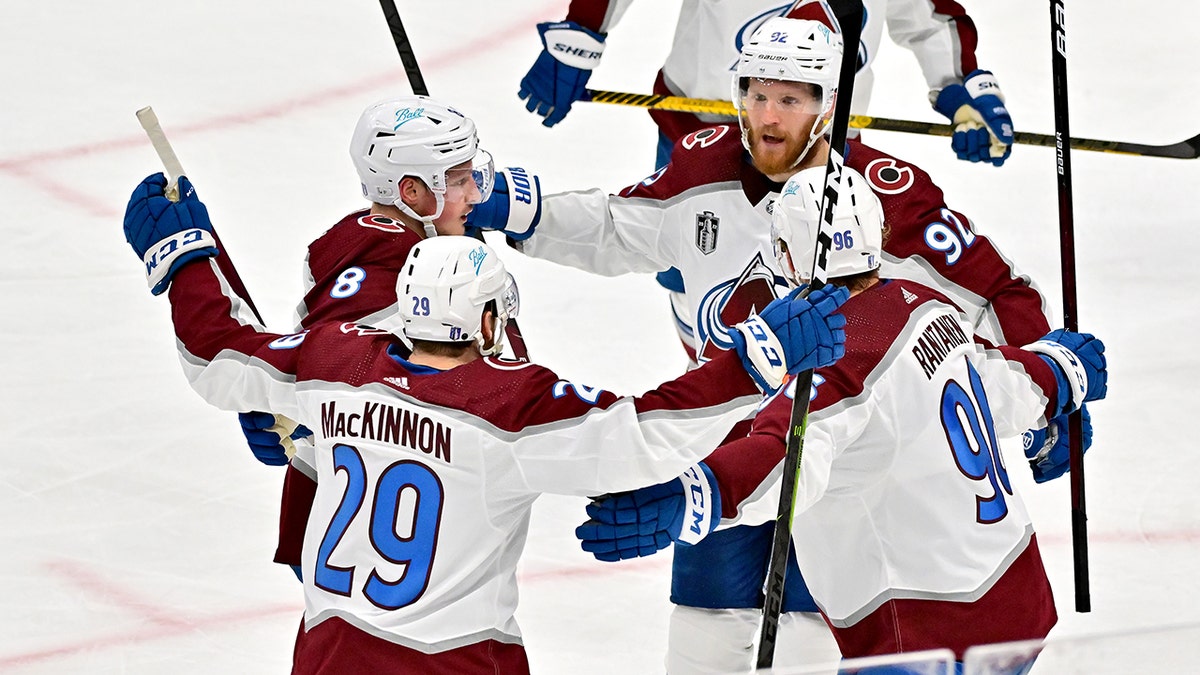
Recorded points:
422,168
710,33
707,42
429,462
707,214
910,534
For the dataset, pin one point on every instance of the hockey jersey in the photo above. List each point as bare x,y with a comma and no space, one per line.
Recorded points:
426,477
707,213
349,275
913,536
710,34
350,271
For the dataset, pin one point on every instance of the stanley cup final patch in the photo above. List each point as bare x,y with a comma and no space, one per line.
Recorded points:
707,224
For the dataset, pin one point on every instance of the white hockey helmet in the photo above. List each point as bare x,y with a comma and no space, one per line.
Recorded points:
446,284
791,50
857,225
419,137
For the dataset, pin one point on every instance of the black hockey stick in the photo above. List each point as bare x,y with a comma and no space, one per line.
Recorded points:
407,57
1066,238
849,15
1187,149
399,36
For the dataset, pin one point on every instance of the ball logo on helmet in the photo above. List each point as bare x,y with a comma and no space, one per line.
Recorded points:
477,257
406,115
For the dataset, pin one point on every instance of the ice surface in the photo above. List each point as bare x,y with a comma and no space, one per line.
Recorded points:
136,530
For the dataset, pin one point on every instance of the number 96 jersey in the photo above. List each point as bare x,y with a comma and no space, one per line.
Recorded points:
910,534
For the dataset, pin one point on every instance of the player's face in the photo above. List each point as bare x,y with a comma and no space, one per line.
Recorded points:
462,194
779,118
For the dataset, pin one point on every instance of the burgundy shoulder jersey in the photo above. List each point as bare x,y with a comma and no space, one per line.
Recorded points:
912,534
425,478
351,270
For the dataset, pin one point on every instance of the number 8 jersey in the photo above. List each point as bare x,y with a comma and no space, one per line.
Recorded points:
908,530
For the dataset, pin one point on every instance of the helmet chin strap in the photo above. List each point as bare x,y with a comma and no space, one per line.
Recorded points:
813,135
426,221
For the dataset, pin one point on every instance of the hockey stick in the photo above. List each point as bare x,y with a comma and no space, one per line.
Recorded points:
158,138
1187,149
1066,236
162,146
399,36
404,47
849,15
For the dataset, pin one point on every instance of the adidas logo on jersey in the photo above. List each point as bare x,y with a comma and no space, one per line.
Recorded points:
401,382
909,298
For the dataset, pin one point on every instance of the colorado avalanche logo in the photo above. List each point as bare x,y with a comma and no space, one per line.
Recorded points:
704,137
381,223
886,177
349,327
732,301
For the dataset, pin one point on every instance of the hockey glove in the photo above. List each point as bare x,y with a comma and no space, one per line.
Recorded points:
514,207
983,129
559,76
270,436
792,334
1049,449
642,522
1079,365
166,234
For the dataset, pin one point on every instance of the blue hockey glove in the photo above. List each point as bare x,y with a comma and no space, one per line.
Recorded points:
270,437
983,129
792,334
166,235
1079,365
559,76
514,207
642,522
1049,449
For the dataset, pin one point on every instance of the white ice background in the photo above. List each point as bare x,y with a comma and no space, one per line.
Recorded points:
136,529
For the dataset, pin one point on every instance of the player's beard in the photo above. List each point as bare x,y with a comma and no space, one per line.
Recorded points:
773,159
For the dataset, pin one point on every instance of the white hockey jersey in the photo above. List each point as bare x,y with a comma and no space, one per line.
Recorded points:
908,529
707,213
425,477
710,35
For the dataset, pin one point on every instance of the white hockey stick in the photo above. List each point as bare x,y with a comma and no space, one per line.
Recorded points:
165,152
283,426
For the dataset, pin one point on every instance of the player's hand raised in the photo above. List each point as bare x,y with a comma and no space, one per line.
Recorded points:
166,235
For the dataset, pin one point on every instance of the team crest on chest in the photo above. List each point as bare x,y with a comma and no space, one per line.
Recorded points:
732,301
707,226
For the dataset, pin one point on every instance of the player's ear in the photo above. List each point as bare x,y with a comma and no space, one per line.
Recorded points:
488,326
411,190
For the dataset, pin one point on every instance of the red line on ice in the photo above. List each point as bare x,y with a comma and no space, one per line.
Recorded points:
24,167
